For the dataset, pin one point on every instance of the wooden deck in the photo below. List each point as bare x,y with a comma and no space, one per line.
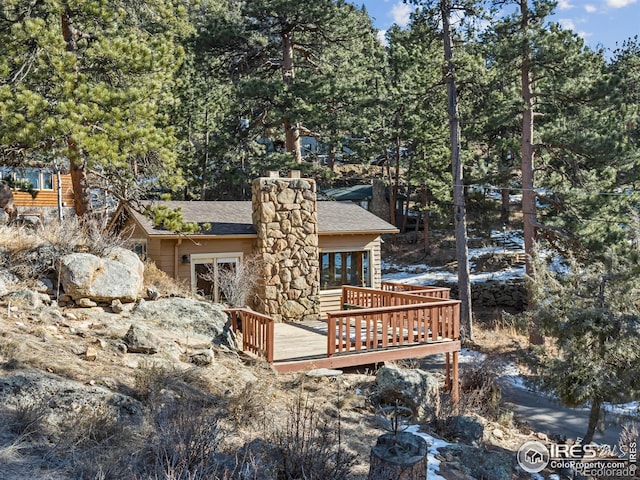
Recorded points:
379,325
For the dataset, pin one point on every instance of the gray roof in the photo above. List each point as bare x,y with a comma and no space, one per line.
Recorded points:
234,218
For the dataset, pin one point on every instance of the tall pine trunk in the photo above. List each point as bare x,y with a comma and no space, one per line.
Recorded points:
527,165
291,130
77,164
594,416
459,213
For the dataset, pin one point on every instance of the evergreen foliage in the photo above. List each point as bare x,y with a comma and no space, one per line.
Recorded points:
592,314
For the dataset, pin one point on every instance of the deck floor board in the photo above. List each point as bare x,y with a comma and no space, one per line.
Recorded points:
292,340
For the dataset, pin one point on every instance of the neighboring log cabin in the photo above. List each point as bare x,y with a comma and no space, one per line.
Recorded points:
53,192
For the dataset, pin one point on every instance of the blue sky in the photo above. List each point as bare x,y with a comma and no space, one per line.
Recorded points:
599,22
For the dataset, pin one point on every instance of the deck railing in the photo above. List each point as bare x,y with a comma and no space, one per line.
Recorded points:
438,292
256,329
365,297
368,329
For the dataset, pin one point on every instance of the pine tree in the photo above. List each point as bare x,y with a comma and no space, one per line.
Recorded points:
592,314
88,82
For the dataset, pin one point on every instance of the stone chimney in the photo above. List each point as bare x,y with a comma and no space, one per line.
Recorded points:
379,205
286,219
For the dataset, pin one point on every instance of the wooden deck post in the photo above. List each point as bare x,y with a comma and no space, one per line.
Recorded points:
455,396
447,368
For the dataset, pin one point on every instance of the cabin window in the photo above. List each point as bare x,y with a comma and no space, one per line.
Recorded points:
39,179
345,268
29,175
140,248
47,180
211,273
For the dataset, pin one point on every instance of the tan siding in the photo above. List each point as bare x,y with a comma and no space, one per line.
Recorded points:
330,301
244,245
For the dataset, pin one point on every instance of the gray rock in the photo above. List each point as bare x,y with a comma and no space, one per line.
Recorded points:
8,277
153,293
3,287
202,358
116,306
59,397
200,317
86,303
117,276
478,462
412,388
44,285
465,429
24,297
139,340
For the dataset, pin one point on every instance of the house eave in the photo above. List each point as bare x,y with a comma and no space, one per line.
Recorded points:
358,232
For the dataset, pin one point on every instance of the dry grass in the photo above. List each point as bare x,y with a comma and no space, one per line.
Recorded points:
30,253
163,283
499,339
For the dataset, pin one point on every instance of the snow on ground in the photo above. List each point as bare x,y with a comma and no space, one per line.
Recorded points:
422,274
425,275
433,464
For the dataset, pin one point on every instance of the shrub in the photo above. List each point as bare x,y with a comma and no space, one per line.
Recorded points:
310,446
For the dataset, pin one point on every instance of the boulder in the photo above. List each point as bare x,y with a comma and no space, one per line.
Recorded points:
7,279
191,316
26,298
201,358
412,388
475,462
119,275
465,429
139,340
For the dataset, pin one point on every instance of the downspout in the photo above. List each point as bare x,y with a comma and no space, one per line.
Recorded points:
59,181
175,258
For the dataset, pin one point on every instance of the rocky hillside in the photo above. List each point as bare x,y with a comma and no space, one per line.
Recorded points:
110,370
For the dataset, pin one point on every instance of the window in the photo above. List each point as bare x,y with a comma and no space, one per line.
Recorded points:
140,248
29,175
210,273
37,178
5,173
345,268
47,180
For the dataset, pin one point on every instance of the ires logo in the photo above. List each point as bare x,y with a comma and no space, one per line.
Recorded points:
534,456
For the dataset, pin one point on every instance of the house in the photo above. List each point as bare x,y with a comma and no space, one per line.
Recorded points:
308,249
53,191
373,197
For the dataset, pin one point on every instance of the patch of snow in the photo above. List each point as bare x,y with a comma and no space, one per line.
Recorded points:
471,356
510,374
631,409
431,275
433,464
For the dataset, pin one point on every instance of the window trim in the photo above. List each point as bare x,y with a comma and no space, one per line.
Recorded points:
321,251
13,172
214,258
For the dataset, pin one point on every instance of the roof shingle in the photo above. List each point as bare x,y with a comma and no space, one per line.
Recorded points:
234,218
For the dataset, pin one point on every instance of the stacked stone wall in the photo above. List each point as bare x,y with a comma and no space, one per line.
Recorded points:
509,295
286,220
